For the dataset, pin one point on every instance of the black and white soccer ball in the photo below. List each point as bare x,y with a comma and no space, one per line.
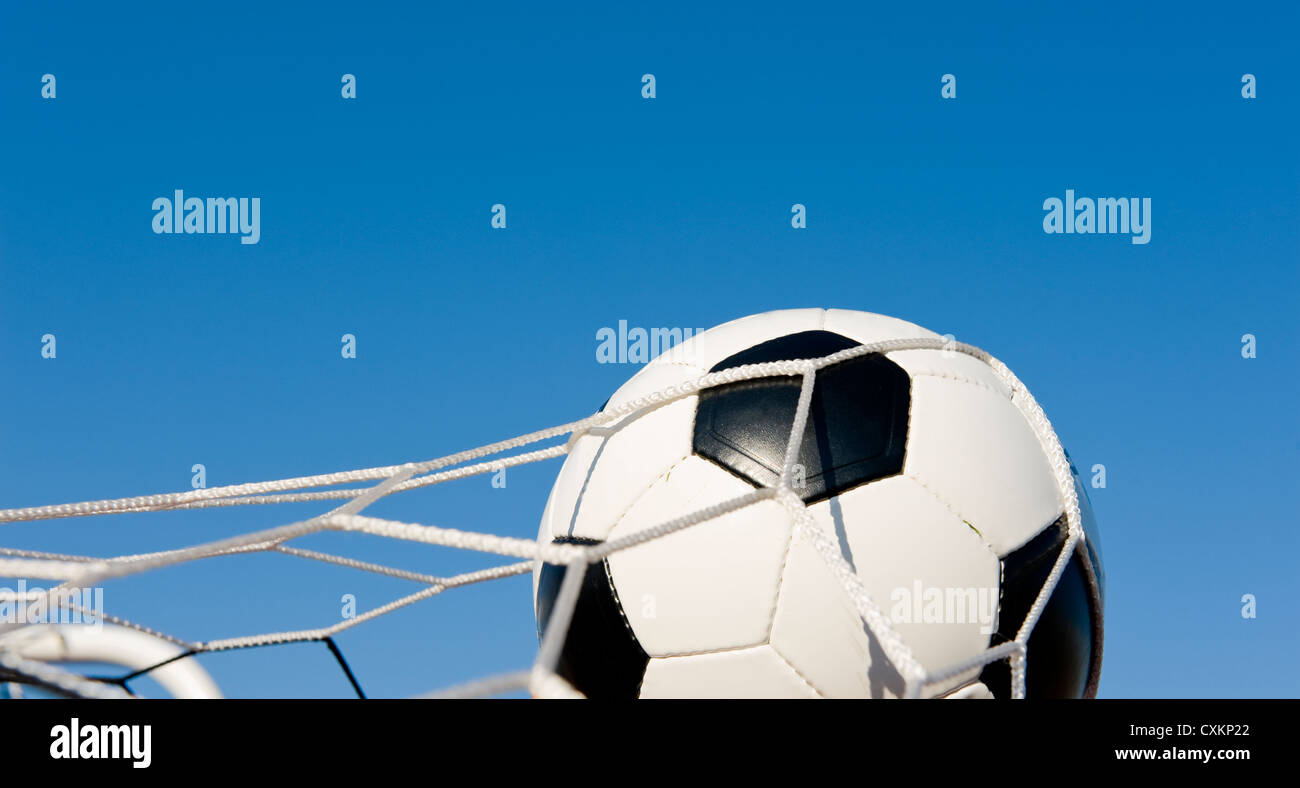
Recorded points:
920,466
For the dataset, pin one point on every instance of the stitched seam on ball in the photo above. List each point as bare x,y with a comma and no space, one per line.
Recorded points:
780,576
907,440
628,419
789,664
944,501
707,651
963,379
596,461
655,362
637,498
618,605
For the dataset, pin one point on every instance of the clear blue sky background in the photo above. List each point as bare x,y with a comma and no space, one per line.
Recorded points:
183,349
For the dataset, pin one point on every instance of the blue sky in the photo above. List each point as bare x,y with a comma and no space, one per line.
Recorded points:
183,349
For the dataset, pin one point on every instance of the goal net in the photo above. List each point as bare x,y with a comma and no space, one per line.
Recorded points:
47,655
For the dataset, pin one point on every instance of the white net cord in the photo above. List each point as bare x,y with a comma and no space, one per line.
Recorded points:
541,680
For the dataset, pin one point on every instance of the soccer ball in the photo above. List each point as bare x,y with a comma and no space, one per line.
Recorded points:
917,463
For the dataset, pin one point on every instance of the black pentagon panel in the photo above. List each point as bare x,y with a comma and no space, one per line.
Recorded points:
1091,533
1096,580
1064,654
601,657
856,430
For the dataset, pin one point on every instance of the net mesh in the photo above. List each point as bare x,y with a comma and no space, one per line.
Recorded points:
541,680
